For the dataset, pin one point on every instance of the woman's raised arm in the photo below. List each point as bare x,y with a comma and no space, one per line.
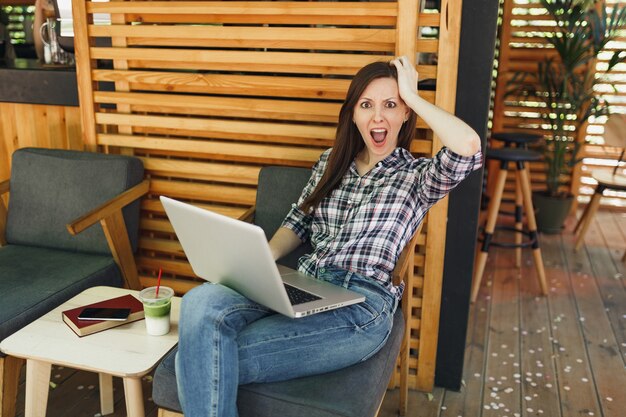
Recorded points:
452,131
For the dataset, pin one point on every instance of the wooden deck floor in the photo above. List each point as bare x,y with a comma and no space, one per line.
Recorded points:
526,355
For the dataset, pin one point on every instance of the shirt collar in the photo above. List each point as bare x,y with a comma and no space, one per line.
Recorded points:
397,158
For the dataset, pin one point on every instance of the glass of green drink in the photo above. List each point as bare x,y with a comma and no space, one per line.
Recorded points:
157,309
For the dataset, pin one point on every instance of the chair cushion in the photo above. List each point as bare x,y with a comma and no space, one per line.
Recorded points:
37,280
278,189
325,395
52,187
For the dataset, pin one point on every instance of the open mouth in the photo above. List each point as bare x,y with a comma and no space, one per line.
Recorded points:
378,135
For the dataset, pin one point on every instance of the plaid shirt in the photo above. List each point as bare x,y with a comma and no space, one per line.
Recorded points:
365,223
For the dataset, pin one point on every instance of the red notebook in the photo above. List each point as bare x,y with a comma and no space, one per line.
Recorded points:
86,327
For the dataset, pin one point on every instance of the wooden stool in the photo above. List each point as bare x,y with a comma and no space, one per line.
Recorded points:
519,140
523,197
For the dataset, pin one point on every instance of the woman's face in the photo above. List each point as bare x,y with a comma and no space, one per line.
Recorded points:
379,114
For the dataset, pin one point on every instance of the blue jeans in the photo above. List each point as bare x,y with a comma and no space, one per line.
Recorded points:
226,340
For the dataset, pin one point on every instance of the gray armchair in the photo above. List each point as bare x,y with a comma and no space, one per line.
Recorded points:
326,395
54,194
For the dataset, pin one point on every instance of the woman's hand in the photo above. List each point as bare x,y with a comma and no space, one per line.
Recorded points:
452,131
407,78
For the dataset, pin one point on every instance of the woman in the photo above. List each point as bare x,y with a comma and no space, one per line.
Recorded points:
366,197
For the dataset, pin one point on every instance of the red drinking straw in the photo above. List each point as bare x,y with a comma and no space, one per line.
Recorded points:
158,284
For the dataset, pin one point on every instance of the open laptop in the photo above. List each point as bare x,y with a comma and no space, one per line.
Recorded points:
236,254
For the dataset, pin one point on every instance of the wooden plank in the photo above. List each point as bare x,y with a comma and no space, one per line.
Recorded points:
569,345
229,60
154,206
446,75
262,12
56,127
297,87
206,192
163,247
598,267
218,150
502,353
73,128
219,106
255,131
425,19
27,127
179,286
173,266
538,375
323,111
210,171
352,39
83,71
8,138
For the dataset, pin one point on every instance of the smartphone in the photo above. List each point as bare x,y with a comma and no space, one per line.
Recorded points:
118,314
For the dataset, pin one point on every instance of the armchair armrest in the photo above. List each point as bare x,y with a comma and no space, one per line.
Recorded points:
248,215
404,272
4,188
406,259
110,217
109,208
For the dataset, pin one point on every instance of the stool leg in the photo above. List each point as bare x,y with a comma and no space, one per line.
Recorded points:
532,228
584,215
492,216
590,211
519,202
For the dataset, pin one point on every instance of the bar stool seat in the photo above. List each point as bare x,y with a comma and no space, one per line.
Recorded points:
513,155
520,139
523,200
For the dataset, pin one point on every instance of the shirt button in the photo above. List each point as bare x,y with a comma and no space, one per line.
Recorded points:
322,270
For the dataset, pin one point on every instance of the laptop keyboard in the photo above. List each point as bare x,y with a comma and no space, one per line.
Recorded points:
298,296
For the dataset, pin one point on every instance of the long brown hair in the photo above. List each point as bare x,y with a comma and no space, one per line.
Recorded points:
348,141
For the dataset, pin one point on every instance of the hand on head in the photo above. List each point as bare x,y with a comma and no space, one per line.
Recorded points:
407,77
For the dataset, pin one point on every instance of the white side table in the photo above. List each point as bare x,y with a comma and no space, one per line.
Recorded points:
126,351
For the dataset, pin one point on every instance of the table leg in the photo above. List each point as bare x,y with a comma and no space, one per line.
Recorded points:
37,387
106,394
134,397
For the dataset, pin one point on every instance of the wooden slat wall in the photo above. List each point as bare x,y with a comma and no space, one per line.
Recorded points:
23,125
208,92
522,44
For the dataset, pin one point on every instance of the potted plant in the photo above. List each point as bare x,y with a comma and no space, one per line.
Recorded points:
563,85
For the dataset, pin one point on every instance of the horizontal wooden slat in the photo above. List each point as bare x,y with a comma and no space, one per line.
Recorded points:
278,8
260,19
421,146
256,37
155,206
284,87
228,60
230,106
242,130
179,286
205,192
150,225
298,87
171,266
210,171
171,247
290,155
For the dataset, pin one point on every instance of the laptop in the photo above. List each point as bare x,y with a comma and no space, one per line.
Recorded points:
236,254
